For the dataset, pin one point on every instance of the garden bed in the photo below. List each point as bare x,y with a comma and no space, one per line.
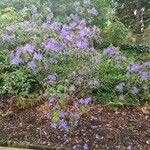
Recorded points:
102,128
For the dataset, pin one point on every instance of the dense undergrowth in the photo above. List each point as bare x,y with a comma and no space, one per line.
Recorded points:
61,58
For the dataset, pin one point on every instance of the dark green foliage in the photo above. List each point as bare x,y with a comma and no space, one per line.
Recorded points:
139,48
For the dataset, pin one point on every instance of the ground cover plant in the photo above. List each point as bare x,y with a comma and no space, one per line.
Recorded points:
62,58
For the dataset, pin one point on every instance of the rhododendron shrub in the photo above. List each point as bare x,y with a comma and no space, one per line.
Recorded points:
122,80
61,57
70,70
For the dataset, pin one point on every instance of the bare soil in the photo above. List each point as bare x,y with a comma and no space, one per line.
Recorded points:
103,128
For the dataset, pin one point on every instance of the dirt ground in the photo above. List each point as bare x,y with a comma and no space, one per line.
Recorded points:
103,128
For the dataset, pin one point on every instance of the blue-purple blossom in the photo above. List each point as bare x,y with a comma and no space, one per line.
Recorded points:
65,27
84,32
31,65
85,100
86,147
82,44
52,44
63,123
134,90
72,88
75,104
52,78
28,48
134,67
16,60
37,56
80,80
93,11
86,1
53,60
110,51
75,115
147,64
144,76
54,125
51,99
120,87
62,114
121,97
48,115
7,37
55,26
129,148
55,107
25,48
94,82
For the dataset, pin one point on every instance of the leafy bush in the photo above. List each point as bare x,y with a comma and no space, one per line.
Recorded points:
138,48
62,59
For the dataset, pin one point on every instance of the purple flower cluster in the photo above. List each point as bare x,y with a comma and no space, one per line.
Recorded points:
93,11
16,60
86,1
110,51
94,82
7,37
52,77
68,118
120,86
52,45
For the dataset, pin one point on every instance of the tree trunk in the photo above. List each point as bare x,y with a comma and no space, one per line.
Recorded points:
139,17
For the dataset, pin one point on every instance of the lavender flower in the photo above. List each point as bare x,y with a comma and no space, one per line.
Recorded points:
94,82
51,99
121,97
86,100
84,32
147,64
120,87
75,104
93,11
75,115
7,37
28,48
86,147
52,78
86,1
31,65
53,60
82,44
48,115
62,114
63,124
110,51
54,125
72,88
134,90
134,67
80,80
52,44
144,76
55,107
16,60
37,56
129,148
55,26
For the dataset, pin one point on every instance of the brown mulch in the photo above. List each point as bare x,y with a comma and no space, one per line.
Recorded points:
101,129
